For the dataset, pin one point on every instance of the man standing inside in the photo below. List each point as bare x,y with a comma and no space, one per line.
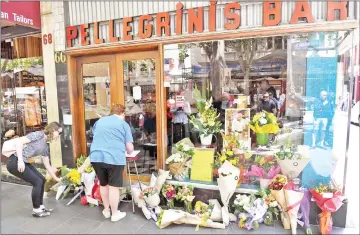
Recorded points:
265,86
323,111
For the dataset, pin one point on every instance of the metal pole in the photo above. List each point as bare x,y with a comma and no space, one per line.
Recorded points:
351,84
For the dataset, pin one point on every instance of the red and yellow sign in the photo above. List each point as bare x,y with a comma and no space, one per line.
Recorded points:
161,21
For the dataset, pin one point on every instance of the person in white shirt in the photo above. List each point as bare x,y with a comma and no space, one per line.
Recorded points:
239,124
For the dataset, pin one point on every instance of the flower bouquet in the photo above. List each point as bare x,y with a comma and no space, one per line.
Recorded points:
277,191
202,210
263,124
176,163
70,181
231,143
169,193
150,196
168,217
182,152
273,207
185,194
227,182
206,121
88,174
293,199
328,199
264,168
226,156
250,211
305,210
292,159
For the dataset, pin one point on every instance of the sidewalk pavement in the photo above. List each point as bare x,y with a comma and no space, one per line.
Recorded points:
16,219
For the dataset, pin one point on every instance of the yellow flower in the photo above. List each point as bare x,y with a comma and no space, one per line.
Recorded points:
74,176
262,161
233,161
223,158
230,153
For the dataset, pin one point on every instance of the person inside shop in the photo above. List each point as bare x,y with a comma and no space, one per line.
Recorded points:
265,86
150,132
268,104
254,103
111,142
21,150
323,112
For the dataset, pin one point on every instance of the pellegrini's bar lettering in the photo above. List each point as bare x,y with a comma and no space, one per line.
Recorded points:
161,21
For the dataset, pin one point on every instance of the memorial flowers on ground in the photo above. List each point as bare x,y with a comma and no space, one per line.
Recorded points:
185,194
202,210
70,181
169,193
250,211
329,199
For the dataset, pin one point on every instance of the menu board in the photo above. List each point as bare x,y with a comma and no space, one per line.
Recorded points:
202,164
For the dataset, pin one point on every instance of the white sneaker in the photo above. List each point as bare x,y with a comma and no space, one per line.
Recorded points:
118,216
106,214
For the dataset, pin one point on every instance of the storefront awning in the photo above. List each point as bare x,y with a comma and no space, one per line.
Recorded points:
20,19
22,13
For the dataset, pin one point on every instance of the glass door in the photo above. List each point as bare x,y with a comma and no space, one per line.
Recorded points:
141,83
96,84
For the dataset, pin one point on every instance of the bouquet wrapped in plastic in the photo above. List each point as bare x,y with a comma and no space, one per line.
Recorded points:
277,190
329,200
169,193
227,182
293,199
168,217
204,211
250,211
305,210
70,181
185,194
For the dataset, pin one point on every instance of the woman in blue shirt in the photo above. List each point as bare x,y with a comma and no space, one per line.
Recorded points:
112,140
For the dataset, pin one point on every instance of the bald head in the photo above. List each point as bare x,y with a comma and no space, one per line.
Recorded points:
323,95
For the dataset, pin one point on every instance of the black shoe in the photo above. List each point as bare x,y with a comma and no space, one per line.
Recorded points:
40,214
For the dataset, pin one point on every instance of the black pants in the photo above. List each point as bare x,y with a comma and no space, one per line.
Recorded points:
30,175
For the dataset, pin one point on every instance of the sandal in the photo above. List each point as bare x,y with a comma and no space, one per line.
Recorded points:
40,214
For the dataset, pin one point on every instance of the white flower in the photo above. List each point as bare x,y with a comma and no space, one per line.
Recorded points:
242,200
189,198
273,204
262,121
174,158
186,147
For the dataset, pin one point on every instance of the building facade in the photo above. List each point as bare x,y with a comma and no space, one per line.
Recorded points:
102,52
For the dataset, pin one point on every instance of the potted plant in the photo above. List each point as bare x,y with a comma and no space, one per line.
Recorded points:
206,121
263,124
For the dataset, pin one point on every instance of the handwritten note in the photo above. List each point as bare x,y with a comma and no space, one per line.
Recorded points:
202,165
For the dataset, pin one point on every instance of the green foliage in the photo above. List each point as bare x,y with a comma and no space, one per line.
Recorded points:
24,63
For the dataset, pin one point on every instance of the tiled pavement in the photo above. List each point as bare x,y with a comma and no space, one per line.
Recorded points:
16,219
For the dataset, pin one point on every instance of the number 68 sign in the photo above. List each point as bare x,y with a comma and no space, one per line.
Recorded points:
60,57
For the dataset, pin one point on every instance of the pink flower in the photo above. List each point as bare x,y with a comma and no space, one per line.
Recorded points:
170,194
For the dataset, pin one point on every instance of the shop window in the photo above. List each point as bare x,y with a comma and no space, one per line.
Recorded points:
23,106
301,87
